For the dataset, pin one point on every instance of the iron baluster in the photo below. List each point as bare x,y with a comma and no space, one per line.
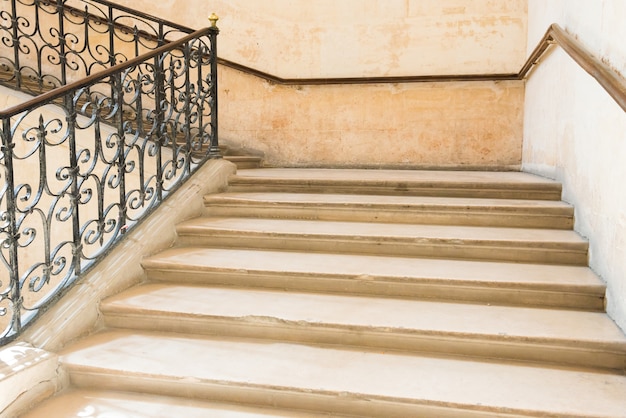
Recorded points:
70,105
118,103
159,102
111,30
12,233
16,45
62,46
187,108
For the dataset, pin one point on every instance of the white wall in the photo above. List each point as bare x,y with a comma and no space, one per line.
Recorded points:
576,133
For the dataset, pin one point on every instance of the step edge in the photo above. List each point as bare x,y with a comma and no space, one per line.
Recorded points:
429,208
152,264
614,347
277,396
405,184
189,230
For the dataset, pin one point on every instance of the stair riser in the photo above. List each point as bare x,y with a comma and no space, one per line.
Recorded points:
277,329
243,165
583,299
246,164
286,398
505,192
419,247
401,215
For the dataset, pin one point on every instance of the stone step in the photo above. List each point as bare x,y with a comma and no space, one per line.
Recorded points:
244,161
399,209
441,241
478,281
108,404
474,184
332,380
584,339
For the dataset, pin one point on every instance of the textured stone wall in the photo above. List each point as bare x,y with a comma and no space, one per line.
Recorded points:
477,124
329,38
462,124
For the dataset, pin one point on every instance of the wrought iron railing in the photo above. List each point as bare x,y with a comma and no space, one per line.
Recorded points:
48,43
84,162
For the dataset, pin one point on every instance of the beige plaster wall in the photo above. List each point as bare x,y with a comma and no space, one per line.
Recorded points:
576,133
419,125
461,124
348,38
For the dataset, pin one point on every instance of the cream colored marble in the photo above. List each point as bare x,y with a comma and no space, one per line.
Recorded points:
510,179
385,202
336,379
372,267
377,381
442,183
354,313
102,404
478,281
583,339
396,209
27,375
463,124
516,236
481,243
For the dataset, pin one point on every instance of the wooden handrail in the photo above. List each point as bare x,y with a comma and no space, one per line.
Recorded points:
363,80
608,78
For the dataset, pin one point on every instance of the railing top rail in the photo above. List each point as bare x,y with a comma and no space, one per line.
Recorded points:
364,80
138,13
62,91
610,79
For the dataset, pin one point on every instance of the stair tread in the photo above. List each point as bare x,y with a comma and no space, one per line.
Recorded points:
513,178
347,374
369,267
359,313
98,403
401,202
242,157
443,233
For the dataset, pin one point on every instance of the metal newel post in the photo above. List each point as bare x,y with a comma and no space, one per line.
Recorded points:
214,148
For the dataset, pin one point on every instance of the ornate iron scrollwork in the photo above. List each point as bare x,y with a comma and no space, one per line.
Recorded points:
132,115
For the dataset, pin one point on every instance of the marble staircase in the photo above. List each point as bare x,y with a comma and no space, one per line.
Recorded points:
378,293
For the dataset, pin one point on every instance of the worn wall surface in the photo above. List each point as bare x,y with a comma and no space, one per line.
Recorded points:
576,133
420,125
463,124
329,38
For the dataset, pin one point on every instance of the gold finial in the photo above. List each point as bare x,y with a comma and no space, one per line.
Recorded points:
213,19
